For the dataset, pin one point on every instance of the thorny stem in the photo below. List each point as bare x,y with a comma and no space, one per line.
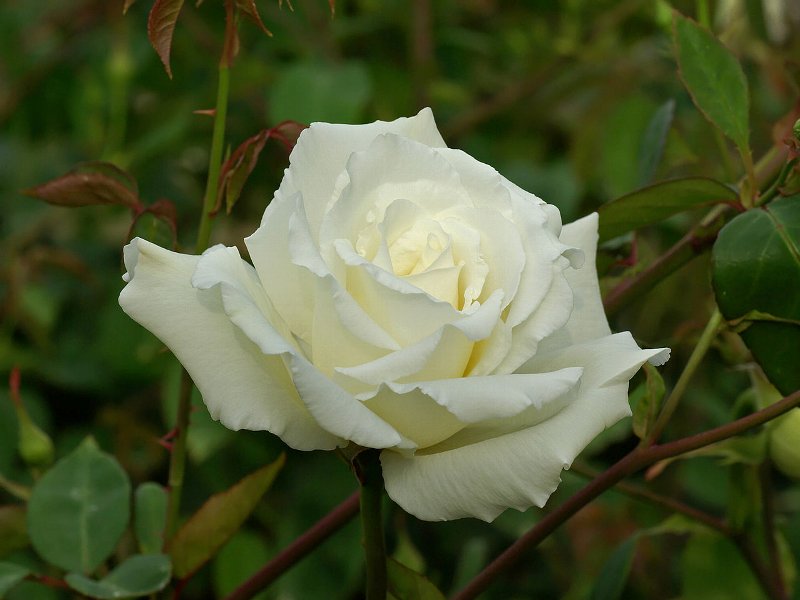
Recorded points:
177,462
215,159
632,462
177,465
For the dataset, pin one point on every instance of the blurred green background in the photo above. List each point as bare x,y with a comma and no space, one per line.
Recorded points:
558,96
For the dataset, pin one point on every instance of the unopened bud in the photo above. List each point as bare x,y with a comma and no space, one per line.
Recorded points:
35,446
784,443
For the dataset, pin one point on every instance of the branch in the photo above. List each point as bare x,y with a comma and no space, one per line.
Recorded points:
632,462
298,549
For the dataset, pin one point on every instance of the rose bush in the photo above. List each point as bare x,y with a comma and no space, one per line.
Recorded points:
406,297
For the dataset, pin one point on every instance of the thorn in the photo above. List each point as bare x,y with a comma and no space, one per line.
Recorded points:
208,112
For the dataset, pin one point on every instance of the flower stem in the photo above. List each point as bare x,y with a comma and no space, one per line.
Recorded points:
177,465
700,350
215,159
632,462
368,470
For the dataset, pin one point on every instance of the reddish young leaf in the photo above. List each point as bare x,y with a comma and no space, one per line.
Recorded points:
162,209
161,26
332,4
230,46
243,160
88,185
248,7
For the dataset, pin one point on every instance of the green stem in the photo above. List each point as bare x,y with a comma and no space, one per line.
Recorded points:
368,470
700,350
750,187
693,244
215,159
177,463
637,459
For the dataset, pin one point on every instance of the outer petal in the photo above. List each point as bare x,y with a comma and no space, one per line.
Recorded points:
322,151
332,407
588,319
241,387
521,467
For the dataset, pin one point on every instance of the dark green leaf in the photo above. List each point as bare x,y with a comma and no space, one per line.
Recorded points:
653,141
150,517
161,26
657,202
89,184
405,584
714,79
648,406
756,267
610,582
218,519
79,509
13,532
11,575
138,576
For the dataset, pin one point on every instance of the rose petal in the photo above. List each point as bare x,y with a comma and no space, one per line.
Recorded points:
322,151
289,286
391,168
334,409
516,470
444,354
521,467
551,314
588,319
391,301
241,387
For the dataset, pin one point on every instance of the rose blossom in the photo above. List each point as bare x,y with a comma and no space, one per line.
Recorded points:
404,296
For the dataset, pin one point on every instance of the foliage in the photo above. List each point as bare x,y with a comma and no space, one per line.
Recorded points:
679,132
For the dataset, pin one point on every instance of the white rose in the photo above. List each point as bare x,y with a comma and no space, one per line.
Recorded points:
405,297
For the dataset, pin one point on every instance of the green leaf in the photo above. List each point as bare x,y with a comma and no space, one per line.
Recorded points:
138,576
657,202
11,575
654,140
309,92
218,519
13,532
646,410
79,509
714,79
610,582
150,517
756,267
405,584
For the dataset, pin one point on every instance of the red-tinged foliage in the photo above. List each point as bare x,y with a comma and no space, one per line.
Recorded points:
162,209
248,7
243,160
88,185
161,26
